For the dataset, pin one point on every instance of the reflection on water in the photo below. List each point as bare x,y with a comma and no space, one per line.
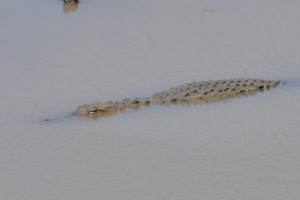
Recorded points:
70,6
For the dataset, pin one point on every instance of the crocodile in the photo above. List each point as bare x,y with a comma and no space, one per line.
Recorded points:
196,92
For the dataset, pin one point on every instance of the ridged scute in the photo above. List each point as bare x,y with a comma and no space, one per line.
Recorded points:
211,89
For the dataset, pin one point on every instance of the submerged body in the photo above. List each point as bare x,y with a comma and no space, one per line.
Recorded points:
196,92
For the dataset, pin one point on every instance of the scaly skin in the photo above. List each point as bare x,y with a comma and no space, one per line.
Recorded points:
204,91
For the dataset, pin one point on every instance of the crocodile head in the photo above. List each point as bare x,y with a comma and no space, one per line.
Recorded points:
98,108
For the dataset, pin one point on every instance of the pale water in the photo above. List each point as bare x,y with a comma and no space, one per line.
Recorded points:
52,62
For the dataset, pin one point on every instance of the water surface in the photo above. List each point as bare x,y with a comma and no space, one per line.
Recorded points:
51,62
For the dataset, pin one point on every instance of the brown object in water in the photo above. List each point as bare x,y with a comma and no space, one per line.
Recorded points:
71,1
70,6
196,92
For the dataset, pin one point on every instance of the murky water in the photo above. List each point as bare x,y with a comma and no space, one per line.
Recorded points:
52,61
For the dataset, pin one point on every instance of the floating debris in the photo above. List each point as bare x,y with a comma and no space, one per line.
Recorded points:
70,6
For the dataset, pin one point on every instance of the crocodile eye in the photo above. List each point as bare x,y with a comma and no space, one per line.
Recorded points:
93,110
